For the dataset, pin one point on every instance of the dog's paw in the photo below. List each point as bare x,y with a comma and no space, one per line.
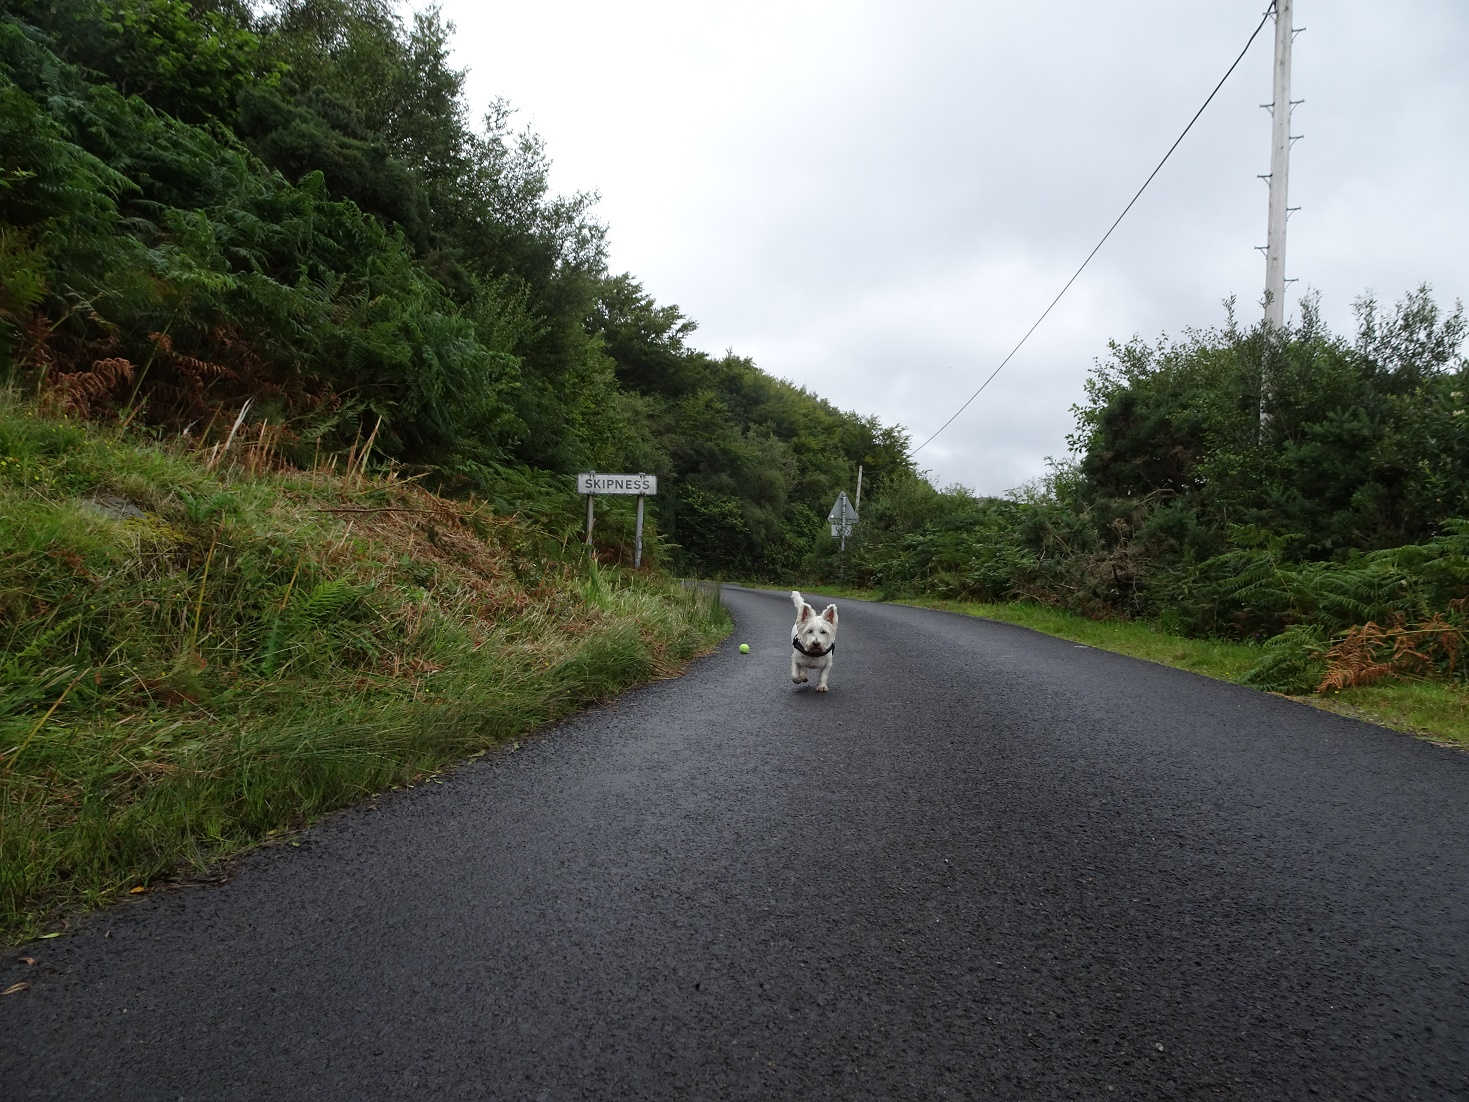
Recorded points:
821,688
798,680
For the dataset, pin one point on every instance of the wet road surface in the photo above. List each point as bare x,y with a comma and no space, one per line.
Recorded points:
987,864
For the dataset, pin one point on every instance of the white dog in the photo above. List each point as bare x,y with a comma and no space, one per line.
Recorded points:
814,640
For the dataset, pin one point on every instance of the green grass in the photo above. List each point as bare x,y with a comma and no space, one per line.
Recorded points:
233,654
1436,710
1227,661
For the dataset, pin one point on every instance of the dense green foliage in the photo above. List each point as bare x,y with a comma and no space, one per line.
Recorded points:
203,203
1344,506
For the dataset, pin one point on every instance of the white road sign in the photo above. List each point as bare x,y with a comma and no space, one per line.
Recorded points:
843,516
591,482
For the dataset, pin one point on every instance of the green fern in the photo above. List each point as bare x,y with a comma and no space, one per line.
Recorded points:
1293,661
328,600
330,607
203,509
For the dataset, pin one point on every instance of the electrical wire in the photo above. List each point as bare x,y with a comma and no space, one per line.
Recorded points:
1106,235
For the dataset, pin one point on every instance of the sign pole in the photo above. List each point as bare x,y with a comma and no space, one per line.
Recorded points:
590,499
637,560
843,518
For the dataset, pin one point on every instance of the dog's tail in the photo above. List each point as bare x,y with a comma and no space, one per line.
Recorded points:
797,600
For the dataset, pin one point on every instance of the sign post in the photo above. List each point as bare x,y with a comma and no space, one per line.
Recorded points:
637,557
843,518
643,485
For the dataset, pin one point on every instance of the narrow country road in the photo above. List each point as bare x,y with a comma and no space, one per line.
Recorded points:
987,864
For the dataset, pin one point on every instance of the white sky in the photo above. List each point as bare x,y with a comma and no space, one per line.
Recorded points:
875,200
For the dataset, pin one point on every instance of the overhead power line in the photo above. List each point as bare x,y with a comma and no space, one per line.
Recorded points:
1255,34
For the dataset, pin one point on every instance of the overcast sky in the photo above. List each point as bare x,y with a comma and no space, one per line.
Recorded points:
875,200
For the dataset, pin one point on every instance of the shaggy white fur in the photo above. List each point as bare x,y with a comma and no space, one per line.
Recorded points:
813,639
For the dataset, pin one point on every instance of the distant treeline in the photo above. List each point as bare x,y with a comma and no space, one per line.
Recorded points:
1250,484
209,201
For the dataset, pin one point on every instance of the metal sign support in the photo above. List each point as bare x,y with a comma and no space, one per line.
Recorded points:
637,559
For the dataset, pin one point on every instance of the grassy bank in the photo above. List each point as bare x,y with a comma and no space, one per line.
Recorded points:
193,657
1436,710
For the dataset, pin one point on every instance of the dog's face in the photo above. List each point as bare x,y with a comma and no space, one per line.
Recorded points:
814,635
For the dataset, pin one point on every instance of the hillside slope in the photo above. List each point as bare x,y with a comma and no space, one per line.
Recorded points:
199,652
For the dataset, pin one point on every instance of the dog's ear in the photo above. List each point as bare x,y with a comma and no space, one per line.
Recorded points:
829,614
803,610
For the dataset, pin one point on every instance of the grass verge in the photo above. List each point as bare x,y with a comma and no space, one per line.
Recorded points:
192,660
1435,710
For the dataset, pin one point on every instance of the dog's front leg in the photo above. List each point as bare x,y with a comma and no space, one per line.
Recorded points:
796,675
825,673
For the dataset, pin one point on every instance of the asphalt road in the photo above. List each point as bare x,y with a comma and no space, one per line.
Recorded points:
987,864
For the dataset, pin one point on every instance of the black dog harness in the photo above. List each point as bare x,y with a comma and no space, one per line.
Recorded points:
829,650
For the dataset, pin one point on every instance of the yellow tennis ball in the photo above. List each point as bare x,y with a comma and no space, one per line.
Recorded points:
744,648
